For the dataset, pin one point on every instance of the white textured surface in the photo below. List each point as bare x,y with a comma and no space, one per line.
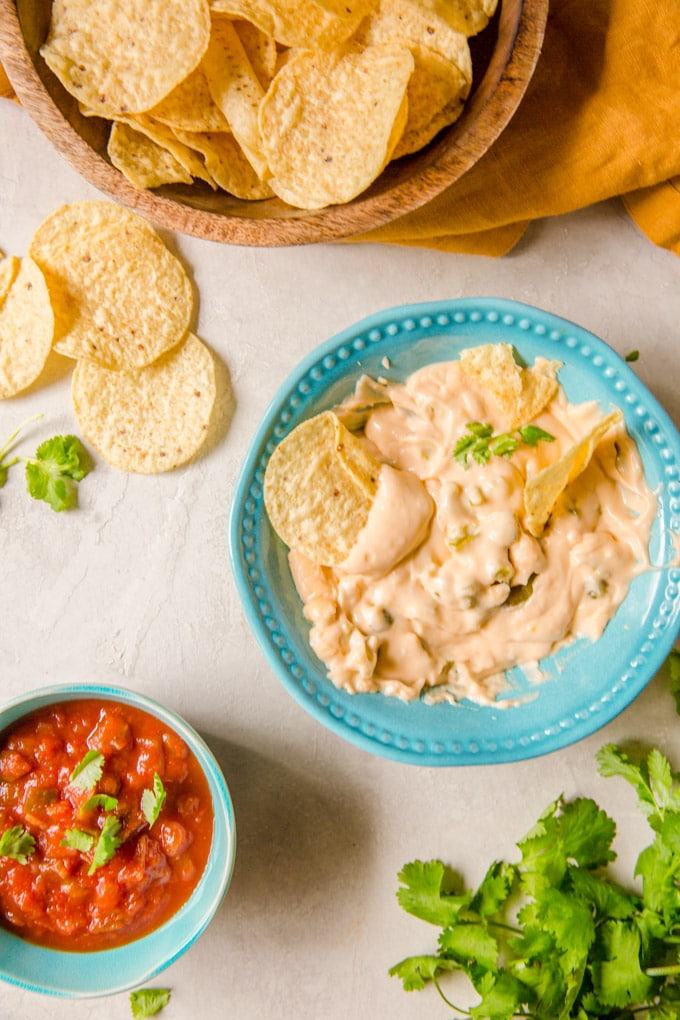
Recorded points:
135,589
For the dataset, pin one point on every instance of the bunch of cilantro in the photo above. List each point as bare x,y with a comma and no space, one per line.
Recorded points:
553,936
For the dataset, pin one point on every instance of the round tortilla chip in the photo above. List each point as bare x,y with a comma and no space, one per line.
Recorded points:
330,122
26,328
152,419
145,163
319,486
120,298
106,52
299,23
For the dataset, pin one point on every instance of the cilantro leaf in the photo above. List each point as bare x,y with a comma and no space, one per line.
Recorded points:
53,473
426,893
532,435
618,979
415,971
153,800
480,443
632,355
148,1001
107,844
470,943
88,771
76,839
17,844
502,994
101,800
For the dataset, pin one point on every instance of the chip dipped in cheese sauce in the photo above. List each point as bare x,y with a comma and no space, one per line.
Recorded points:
489,544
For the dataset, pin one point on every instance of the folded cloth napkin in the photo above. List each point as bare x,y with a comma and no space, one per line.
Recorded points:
600,118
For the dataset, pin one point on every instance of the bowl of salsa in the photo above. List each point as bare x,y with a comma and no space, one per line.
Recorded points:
117,839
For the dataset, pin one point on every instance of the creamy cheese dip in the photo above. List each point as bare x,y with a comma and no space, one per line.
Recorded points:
445,589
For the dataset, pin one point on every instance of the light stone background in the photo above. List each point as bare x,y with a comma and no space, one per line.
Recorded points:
135,589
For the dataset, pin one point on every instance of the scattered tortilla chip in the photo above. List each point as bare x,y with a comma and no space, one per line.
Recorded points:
521,393
330,122
152,419
120,298
145,163
106,52
319,486
26,325
543,489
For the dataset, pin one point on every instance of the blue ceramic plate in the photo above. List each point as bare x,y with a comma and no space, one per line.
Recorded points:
591,683
84,975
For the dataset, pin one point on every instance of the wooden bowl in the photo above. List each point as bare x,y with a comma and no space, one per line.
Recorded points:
504,56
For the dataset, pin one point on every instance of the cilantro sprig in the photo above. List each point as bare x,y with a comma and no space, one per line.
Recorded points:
554,936
17,844
53,473
480,443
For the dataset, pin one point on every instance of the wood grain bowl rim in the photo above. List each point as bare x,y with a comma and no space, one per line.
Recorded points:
522,27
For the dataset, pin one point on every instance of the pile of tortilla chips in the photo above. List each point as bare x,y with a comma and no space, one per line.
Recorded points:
99,286
304,99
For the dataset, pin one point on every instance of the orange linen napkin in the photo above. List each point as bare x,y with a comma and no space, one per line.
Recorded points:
600,118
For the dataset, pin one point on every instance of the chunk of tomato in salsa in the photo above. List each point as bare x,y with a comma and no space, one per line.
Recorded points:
60,896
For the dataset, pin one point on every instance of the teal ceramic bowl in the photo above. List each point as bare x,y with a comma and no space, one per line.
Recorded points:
94,974
588,683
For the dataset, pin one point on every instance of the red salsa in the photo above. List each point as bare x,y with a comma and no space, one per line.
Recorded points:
105,824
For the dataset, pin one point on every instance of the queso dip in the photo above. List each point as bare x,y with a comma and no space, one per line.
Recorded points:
446,588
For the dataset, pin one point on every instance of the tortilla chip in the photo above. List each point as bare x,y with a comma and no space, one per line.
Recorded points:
300,23
319,486
145,163
26,326
543,489
466,16
190,106
106,52
520,393
226,164
152,419
236,90
120,298
330,122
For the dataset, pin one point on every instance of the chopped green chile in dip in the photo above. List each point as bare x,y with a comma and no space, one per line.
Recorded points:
56,898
